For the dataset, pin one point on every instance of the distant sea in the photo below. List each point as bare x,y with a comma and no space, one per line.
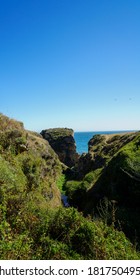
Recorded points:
82,138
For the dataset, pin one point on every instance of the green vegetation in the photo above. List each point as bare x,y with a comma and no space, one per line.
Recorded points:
33,222
60,183
61,234
77,190
58,132
118,181
92,177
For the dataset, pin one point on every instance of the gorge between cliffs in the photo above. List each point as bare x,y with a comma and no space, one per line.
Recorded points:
100,220
105,179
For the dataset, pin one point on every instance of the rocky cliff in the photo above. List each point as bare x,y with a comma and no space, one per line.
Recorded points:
120,176
108,181
33,222
63,143
101,148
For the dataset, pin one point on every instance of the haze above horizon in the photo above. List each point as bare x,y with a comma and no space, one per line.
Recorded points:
71,63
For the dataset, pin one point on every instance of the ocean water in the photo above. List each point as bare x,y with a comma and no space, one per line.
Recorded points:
82,138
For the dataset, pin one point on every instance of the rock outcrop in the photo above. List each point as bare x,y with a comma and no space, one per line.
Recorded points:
109,177
63,143
34,225
101,148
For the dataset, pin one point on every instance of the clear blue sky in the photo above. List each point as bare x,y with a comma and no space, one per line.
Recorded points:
71,63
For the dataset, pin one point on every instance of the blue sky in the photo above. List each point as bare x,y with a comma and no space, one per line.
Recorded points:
71,63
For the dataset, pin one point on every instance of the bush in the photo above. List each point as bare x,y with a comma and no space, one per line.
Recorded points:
67,234
76,192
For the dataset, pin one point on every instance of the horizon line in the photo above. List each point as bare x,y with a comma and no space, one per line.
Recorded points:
121,130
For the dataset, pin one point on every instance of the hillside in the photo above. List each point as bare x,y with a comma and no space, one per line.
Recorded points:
33,222
109,178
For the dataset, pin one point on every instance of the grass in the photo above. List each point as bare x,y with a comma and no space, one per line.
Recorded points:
58,132
33,224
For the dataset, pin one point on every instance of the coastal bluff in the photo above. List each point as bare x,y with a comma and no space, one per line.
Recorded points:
46,213
62,142
107,180
101,148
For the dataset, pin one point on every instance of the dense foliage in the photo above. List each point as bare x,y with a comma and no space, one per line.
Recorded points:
118,180
33,222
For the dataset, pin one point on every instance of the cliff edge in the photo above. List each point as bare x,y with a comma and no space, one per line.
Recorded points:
63,143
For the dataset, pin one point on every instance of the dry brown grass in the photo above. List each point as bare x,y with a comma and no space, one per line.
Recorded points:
9,124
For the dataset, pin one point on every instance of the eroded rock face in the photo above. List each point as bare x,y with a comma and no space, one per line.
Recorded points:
63,143
120,179
101,148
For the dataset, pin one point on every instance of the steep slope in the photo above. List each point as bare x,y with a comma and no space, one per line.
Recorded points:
101,148
120,178
110,179
33,223
28,166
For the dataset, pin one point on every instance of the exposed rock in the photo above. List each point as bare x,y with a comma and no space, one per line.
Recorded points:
22,148
107,145
101,148
63,143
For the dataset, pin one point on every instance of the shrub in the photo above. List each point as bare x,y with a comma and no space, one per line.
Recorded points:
67,234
